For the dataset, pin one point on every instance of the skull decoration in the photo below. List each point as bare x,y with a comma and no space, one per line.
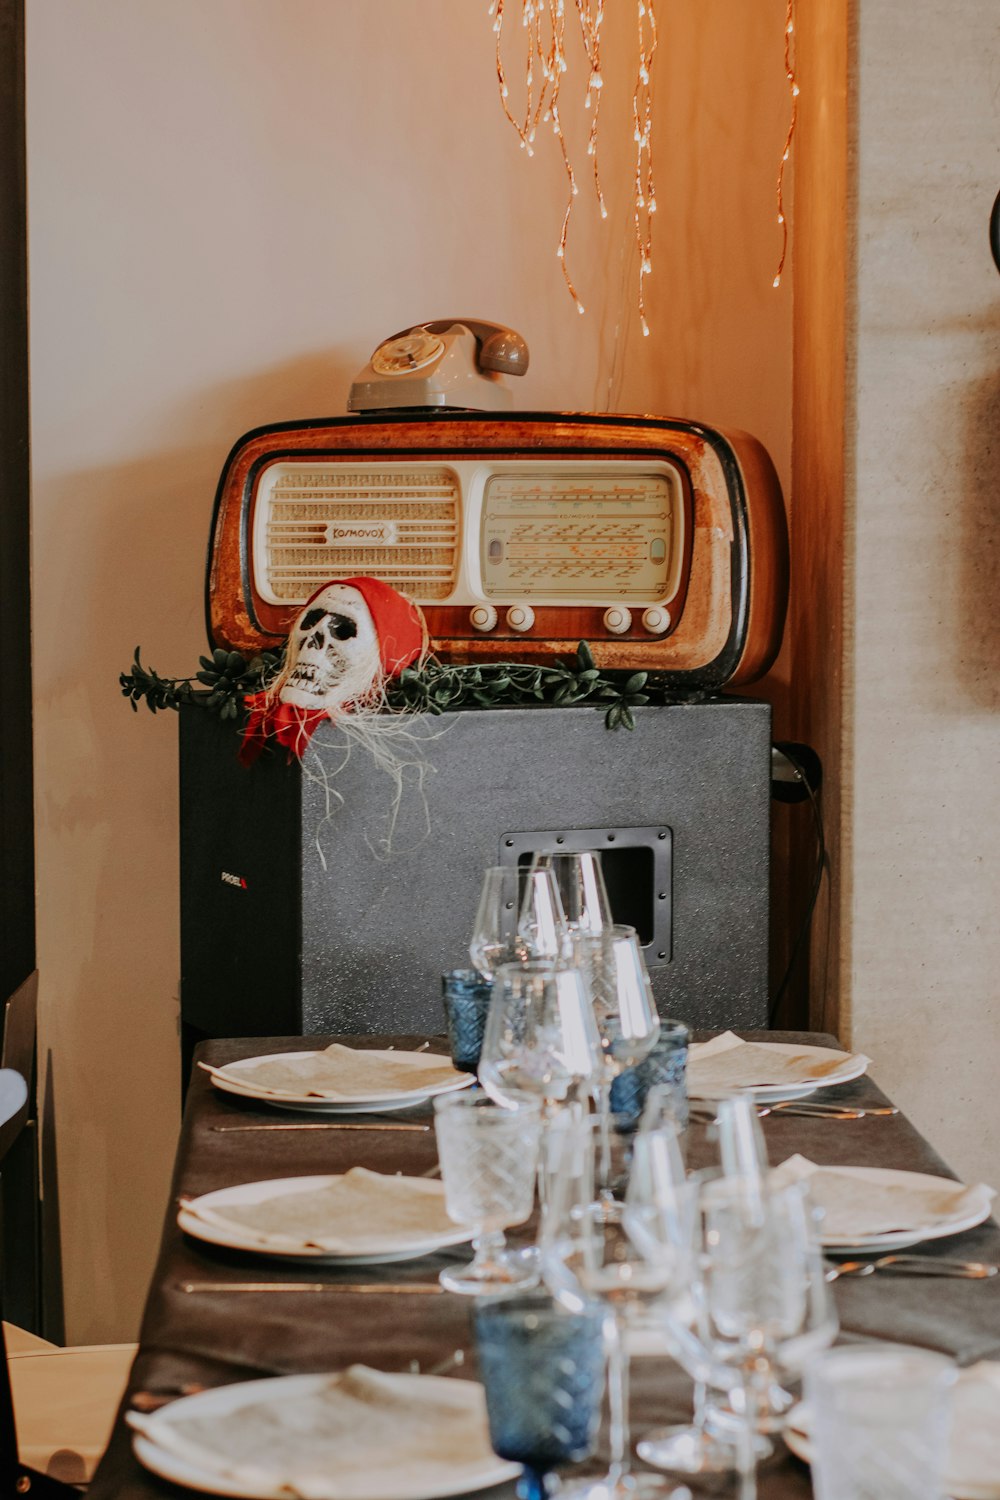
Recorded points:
352,636
333,654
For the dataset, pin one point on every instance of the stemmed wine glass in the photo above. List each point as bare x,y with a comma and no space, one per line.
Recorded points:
759,1301
519,917
489,1155
737,1142
765,1298
543,1372
579,880
593,1250
541,1037
626,1016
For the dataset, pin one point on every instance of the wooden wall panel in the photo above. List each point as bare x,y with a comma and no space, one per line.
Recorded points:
819,607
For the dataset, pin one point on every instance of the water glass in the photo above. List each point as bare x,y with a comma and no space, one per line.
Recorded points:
664,1067
489,1157
543,1371
466,995
880,1421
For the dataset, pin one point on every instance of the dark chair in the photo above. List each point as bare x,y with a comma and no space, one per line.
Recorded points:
20,1201
15,1477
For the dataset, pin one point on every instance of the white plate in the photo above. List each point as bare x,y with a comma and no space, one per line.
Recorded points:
180,1470
798,1439
234,1238
232,1083
854,1066
899,1239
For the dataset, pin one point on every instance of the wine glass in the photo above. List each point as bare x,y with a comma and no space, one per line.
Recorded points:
579,882
542,1368
489,1155
706,1445
541,1037
625,1011
519,917
628,1256
763,1299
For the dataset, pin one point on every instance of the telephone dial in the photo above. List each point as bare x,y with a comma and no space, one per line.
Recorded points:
452,363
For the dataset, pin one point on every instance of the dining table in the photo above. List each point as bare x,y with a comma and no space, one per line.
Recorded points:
205,1325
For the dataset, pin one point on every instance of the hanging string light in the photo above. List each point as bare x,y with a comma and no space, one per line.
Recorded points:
644,198
793,92
544,24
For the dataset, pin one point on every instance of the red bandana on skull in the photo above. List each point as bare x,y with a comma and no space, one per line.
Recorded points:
352,636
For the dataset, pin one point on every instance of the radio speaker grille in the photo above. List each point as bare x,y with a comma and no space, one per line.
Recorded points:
317,523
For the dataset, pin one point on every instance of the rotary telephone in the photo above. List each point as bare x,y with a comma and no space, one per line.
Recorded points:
452,363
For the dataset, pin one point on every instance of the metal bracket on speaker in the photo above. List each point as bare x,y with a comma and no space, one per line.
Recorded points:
638,871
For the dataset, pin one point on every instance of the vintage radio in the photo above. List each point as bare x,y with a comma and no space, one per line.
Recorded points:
662,543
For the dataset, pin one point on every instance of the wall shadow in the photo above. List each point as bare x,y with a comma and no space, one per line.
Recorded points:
976,627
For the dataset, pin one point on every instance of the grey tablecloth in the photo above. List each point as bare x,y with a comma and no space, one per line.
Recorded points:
211,1339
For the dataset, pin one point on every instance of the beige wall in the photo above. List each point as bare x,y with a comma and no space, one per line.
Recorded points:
924,662
231,201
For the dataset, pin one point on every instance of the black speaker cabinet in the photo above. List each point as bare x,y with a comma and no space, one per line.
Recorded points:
304,911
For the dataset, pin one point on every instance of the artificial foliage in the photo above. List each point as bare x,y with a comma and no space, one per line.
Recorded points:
226,678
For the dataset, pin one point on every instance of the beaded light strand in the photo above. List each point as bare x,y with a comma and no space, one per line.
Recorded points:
793,93
544,22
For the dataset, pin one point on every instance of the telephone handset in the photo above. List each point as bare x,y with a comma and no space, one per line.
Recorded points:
454,363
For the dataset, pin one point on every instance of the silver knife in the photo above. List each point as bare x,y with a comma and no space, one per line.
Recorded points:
337,1125
820,1108
365,1288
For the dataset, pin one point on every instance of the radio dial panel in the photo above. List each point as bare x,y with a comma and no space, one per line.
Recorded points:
562,532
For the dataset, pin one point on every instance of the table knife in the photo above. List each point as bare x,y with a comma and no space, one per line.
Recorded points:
365,1288
819,1110
324,1125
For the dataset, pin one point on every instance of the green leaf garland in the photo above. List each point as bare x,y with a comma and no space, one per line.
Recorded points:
225,678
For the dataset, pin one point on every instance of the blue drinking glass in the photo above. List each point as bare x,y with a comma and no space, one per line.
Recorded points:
466,994
665,1067
543,1371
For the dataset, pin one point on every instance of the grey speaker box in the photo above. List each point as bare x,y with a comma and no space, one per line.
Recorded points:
306,909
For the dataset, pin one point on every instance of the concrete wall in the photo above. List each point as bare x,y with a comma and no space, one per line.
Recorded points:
923,661
231,202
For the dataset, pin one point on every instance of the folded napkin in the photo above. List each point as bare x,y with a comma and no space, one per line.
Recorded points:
973,1468
727,1062
862,1201
360,1213
358,1435
343,1073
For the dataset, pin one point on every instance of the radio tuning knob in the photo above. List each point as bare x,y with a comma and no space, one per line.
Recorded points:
617,620
520,617
656,620
483,617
